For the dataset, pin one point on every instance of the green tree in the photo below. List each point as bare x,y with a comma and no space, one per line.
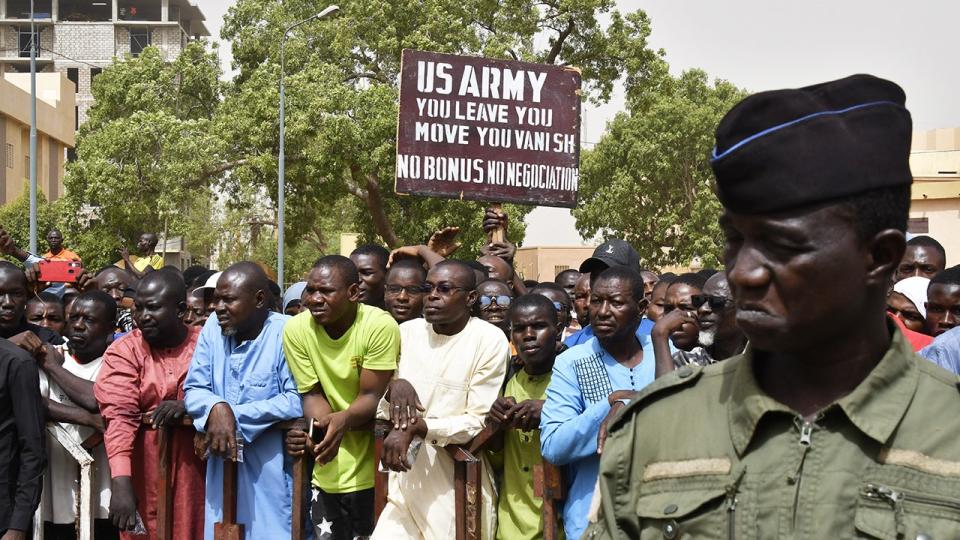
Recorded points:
649,181
342,90
147,158
15,219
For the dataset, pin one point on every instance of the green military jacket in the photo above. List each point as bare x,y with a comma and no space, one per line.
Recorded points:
705,453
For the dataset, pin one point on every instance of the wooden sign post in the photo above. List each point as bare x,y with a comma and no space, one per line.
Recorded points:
488,130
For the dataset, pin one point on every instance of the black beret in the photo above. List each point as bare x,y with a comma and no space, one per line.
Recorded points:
784,149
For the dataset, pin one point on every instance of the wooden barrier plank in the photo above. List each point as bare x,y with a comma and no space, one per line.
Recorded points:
228,528
164,485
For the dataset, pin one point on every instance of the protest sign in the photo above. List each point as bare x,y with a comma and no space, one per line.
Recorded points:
488,130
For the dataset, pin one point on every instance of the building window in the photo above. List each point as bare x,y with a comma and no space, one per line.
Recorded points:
24,42
74,75
94,72
85,11
139,40
918,225
138,10
559,268
9,156
20,9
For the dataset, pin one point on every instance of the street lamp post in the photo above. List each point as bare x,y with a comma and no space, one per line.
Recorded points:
33,132
281,182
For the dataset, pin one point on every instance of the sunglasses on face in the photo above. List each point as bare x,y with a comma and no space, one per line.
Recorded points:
411,290
442,288
501,300
716,302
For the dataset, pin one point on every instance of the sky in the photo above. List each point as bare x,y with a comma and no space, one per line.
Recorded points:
769,44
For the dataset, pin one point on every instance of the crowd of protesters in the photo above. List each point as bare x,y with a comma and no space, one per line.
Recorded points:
440,348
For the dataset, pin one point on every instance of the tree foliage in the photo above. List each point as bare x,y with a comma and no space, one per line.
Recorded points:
649,181
170,146
146,156
342,93
15,219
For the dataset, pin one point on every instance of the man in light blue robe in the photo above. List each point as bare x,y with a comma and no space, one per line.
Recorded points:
237,387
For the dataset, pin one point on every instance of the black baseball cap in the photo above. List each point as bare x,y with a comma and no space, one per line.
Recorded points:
613,252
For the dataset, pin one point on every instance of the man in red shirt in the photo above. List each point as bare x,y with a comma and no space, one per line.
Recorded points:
143,372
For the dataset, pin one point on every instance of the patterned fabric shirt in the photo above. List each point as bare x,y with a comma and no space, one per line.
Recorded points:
583,378
698,356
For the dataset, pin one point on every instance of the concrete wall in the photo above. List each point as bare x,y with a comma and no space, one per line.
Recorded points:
542,263
55,132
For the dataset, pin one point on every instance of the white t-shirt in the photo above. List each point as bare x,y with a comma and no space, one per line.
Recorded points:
61,483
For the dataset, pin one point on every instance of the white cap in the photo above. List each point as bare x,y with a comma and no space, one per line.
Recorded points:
211,281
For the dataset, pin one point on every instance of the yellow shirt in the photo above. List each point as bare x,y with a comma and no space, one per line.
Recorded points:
372,342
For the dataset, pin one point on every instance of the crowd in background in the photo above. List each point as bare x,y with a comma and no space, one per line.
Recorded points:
438,346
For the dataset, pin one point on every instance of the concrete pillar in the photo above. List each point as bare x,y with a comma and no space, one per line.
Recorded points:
116,11
55,10
3,9
164,10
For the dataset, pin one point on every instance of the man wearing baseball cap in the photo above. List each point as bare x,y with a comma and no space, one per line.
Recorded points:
614,253
829,426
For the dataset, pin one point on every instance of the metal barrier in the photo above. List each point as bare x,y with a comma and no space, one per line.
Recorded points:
78,451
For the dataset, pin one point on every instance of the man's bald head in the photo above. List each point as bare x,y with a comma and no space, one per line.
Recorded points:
242,300
248,275
158,308
166,284
497,268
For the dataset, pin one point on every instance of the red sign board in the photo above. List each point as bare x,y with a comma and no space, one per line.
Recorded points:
488,130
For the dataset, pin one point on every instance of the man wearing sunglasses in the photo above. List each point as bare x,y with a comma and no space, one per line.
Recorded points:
451,368
718,337
493,303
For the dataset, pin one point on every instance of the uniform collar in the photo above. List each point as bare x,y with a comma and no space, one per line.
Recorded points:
875,406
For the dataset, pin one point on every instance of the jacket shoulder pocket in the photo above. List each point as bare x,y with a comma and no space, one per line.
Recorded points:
691,508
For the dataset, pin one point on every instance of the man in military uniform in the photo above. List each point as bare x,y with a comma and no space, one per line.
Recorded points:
828,426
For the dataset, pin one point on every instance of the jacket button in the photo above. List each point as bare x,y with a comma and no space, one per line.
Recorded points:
671,530
671,508
684,372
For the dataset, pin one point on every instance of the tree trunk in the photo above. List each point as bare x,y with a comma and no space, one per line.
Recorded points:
372,197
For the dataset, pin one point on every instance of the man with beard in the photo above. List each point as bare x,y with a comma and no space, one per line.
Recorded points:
67,384
589,380
534,331
342,354
237,387
450,372
822,428
371,262
718,337
143,372
403,294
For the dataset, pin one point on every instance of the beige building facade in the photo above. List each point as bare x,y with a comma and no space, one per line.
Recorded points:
935,205
544,263
79,38
55,133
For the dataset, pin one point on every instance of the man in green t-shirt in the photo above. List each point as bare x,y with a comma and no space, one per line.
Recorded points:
342,354
534,331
